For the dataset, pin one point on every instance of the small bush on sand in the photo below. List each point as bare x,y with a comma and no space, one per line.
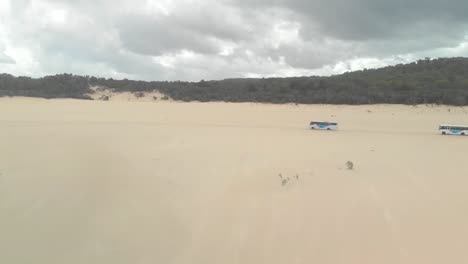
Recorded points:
139,94
349,165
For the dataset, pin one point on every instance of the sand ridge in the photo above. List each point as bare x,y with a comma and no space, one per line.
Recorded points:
108,94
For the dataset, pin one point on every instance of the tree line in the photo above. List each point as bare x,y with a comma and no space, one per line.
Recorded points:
428,81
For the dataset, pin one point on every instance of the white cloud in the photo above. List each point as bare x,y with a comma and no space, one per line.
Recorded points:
56,16
5,7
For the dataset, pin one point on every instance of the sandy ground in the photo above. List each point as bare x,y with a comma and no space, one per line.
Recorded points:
123,182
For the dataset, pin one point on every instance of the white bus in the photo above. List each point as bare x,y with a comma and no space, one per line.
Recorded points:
323,125
453,130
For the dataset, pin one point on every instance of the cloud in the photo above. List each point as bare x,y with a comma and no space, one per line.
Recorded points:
208,39
359,20
6,59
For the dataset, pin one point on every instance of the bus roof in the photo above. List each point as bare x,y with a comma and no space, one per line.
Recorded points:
324,122
464,126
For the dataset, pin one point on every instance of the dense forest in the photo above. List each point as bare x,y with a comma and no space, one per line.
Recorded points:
429,81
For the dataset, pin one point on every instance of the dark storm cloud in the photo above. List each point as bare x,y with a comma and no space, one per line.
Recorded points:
374,28
374,19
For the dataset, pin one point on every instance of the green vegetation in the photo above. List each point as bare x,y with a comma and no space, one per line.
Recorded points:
58,86
439,81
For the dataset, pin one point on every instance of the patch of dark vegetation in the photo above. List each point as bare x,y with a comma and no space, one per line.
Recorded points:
437,81
285,180
58,86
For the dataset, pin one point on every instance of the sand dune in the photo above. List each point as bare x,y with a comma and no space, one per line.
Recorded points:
106,94
125,182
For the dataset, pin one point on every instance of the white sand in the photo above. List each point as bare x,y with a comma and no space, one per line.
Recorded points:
120,182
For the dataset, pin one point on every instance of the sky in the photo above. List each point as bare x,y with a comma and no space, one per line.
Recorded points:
191,40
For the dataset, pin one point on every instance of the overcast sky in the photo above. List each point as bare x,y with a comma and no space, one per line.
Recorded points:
216,39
